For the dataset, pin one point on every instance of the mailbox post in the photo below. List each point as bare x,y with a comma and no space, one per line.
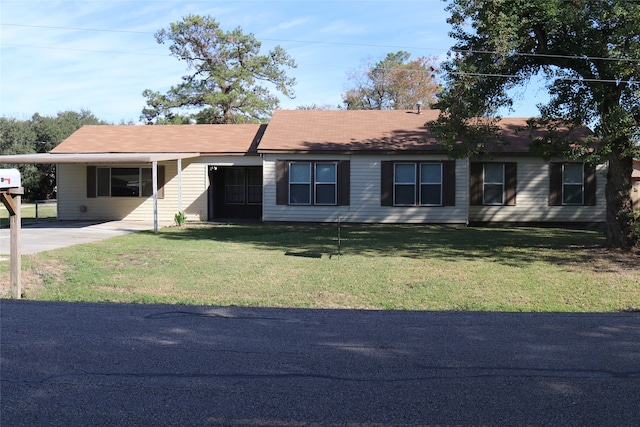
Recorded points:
10,192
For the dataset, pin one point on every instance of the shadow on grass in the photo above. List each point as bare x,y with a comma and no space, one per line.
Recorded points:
511,246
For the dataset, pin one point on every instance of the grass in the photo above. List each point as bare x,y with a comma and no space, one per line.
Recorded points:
46,212
398,267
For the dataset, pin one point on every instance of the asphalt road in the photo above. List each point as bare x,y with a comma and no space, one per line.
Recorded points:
65,364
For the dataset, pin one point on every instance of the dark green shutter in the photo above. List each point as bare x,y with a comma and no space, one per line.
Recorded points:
160,182
475,183
510,183
91,181
282,182
589,185
386,183
344,183
555,184
449,183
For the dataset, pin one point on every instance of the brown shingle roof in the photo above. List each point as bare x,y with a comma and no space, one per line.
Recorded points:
348,130
288,131
219,139
374,130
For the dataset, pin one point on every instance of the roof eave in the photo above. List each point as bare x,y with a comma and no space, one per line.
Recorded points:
49,158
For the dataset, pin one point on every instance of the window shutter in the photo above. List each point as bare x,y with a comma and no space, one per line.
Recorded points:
475,183
91,181
386,183
589,185
449,183
282,182
510,183
555,184
160,182
344,183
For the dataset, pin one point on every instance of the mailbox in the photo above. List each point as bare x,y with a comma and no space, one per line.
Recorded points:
9,178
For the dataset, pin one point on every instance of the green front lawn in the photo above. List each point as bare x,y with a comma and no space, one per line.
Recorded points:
406,267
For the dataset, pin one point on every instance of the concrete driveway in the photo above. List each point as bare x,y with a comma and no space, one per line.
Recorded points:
82,364
46,236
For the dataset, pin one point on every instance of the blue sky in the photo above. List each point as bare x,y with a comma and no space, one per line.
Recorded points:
101,55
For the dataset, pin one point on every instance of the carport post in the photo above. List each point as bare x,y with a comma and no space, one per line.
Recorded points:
154,178
179,185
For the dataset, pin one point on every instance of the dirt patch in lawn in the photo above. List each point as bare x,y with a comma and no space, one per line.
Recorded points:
33,278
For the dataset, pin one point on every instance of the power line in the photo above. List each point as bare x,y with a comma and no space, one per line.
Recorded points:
74,28
571,79
316,65
88,50
489,52
546,55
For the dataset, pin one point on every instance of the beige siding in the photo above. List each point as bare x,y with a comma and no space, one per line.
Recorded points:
365,195
73,203
532,199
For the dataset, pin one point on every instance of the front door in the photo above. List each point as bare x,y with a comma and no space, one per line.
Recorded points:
235,192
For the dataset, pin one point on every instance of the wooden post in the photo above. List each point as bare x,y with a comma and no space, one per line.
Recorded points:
13,206
16,251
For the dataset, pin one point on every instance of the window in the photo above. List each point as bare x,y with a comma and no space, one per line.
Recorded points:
431,184
317,183
404,184
300,183
572,184
243,186
493,183
234,186
326,183
254,185
123,182
418,183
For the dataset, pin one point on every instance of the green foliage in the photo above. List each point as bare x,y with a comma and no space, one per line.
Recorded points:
394,83
180,218
588,53
39,135
227,70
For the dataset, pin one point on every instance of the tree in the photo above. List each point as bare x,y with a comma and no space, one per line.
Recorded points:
39,135
394,83
227,70
589,53
315,106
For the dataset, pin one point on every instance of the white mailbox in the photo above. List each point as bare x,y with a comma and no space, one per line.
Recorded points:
9,178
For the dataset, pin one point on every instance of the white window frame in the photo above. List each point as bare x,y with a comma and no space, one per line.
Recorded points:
573,184
308,183
485,182
110,184
407,183
316,183
439,183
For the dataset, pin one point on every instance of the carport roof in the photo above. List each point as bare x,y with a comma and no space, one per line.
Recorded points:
45,158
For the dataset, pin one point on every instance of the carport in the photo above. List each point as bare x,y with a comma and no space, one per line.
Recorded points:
105,158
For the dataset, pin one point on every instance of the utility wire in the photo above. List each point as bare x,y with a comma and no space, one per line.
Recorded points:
546,55
571,79
324,65
352,44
